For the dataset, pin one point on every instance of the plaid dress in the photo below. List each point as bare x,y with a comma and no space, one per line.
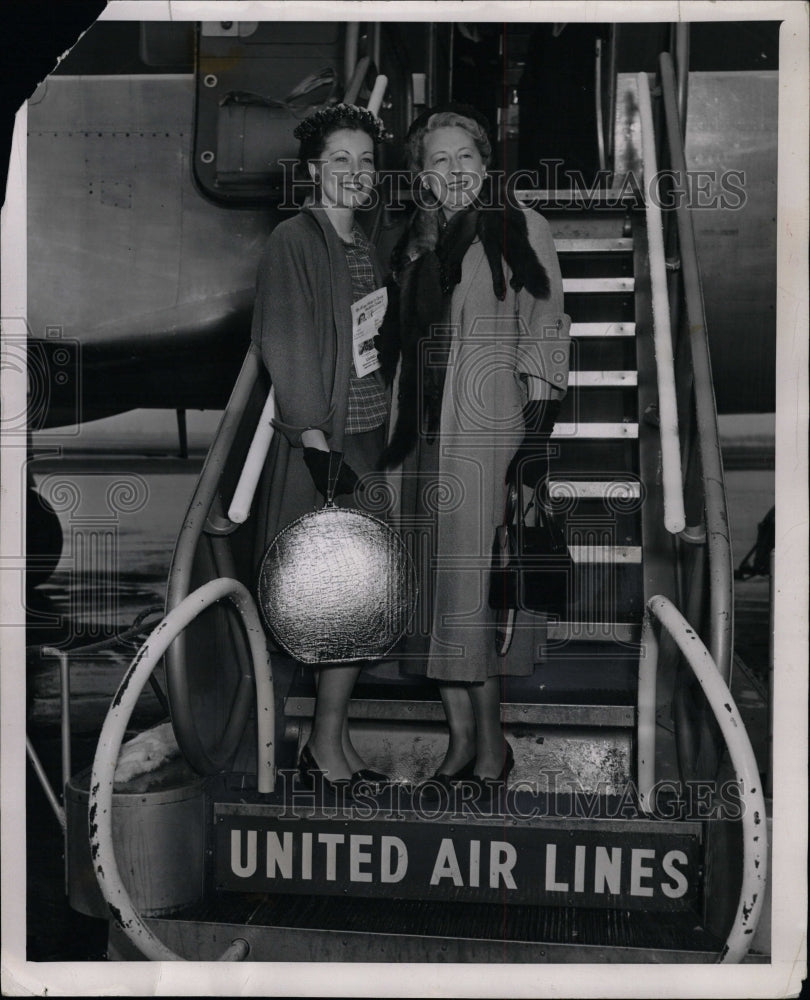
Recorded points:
368,406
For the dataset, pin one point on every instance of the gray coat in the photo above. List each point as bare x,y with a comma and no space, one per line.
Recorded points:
493,344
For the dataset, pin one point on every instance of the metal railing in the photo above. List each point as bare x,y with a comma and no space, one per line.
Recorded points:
102,780
710,479
203,517
661,611
674,516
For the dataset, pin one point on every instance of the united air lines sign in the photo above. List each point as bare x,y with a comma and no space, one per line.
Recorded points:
641,868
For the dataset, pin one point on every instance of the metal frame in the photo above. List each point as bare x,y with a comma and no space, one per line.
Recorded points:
721,569
102,780
194,524
661,611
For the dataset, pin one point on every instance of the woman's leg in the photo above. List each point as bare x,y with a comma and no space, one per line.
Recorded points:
489,742
461,722
353,758
335,686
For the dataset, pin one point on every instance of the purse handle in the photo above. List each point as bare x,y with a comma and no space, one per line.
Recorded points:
335,463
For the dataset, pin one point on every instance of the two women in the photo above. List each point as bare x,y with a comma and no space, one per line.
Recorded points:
482,360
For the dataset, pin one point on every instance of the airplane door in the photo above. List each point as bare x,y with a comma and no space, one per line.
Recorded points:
254,81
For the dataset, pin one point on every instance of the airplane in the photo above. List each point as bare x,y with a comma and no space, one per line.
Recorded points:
154,180
160,160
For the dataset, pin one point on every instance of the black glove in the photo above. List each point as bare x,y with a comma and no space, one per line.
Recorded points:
530,461
322,464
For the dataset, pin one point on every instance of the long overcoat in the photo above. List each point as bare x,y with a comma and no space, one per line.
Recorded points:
494,343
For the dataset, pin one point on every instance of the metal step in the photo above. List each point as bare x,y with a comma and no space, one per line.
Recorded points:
328,929
410,711
603,379
562,199
615,489
590,330
620,245
597,285
605,554
627,633
595,430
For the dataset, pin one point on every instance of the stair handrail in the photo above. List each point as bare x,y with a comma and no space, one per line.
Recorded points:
751,900
194,525
674,515
721,567
102,778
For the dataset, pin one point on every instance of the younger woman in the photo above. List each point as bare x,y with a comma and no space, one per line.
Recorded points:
316,265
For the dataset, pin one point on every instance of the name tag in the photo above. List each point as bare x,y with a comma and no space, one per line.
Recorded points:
367,315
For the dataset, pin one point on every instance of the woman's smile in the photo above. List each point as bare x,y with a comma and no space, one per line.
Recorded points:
346,169
453,167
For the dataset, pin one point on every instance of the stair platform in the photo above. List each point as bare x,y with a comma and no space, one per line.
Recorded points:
306,929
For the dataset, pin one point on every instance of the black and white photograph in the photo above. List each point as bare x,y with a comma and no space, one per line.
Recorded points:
404,539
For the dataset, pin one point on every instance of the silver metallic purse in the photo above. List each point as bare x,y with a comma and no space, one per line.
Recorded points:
337,586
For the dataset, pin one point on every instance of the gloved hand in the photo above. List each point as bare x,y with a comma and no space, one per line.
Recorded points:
530,461
323,463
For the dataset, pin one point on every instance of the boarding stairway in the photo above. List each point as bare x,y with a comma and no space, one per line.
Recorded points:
575,716
587,679
595,867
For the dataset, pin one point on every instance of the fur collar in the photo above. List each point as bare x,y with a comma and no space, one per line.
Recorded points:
426,264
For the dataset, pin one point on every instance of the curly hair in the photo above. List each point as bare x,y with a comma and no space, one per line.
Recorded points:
314,131
453,115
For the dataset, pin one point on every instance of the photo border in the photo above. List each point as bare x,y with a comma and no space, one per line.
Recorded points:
789,871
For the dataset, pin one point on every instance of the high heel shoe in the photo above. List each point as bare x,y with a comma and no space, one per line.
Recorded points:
369,780
442,779
312,774
467,771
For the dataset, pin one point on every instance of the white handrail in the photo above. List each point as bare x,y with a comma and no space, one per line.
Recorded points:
254,463
752,798
674,515
102,778
377,94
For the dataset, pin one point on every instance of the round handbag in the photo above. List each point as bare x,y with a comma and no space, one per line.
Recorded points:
337,586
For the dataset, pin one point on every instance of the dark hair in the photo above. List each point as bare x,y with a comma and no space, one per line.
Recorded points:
314,131
446,116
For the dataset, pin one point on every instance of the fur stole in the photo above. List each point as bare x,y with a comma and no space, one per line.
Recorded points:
426,266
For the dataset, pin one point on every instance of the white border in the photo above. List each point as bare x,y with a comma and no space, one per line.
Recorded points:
783,976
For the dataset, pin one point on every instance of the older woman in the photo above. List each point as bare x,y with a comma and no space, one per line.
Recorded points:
332,415
484,363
